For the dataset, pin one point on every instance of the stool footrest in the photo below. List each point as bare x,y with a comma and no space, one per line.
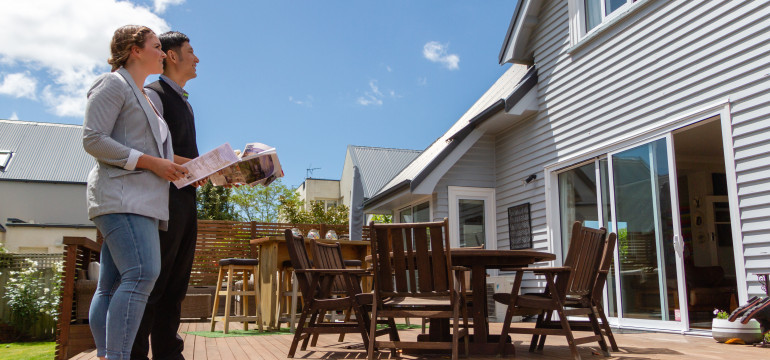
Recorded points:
250,292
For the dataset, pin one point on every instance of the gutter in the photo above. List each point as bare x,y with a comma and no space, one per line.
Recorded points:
525,85
377,198
508,34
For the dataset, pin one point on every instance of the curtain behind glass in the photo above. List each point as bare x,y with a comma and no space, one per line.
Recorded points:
593,13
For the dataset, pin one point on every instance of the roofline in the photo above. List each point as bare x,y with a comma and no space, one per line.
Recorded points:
24,122
456,139
377,198
525,85
509,33
46,181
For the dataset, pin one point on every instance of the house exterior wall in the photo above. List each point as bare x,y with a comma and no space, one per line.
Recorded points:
43,203
476,168
26,239
661,61
319,189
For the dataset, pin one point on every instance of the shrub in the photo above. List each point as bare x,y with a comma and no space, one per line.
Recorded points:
30,296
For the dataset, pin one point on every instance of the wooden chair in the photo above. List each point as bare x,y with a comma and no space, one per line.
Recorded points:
315,284
414,277
566,285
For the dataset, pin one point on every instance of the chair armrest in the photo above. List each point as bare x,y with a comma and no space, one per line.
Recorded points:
460,268
541,270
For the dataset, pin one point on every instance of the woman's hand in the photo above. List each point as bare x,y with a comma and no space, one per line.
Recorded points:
162,167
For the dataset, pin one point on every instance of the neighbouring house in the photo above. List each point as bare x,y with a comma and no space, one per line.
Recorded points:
43,171
376,166
648,117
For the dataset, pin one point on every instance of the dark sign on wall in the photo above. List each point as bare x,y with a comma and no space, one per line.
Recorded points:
519,227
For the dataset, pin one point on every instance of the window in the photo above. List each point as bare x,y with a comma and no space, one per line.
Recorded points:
592,13
5,158
416,213
579,201
327,203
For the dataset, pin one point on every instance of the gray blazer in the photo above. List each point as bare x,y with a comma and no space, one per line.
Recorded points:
118,119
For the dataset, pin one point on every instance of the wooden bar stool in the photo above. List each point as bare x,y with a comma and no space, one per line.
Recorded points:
230,268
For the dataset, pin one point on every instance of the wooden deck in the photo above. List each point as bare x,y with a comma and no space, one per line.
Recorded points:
632,346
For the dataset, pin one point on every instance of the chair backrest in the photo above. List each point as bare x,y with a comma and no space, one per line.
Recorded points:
329,256
584,255
411,259
299,260
607,259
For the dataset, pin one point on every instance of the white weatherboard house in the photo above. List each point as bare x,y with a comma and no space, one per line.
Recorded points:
648,117
43,171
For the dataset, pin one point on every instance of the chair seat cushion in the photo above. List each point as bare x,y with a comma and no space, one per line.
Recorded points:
234,261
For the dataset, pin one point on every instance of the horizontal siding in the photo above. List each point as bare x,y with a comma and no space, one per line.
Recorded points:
474,169
664,60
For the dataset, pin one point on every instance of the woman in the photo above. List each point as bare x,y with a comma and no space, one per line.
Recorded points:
127,190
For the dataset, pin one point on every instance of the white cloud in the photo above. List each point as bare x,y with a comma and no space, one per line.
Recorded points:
65,44
14,116
437,52
19,85
422,81
308,102
161,5
388,68
372,97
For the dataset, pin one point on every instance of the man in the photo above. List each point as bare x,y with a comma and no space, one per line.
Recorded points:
177,245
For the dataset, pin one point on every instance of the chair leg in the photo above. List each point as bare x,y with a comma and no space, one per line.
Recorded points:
506,329
228,297
321,319
606,327
547,321
216,299
298,333
347,319
257,301
315,318
536,337
245,303
592,317
373,333
568,333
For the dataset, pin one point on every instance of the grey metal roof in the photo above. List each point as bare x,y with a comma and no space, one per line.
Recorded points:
44,152
379,165
500,90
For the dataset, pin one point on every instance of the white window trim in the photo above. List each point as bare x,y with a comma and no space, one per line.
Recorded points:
577,23
455,193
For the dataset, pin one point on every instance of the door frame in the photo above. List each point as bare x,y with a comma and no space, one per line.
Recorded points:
665,127
455,193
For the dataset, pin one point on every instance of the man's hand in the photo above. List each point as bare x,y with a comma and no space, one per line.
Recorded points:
200,182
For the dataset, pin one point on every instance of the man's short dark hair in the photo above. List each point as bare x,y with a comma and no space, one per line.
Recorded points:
172,40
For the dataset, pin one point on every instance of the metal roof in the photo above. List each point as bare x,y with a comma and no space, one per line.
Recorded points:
500,90
378,165
44,152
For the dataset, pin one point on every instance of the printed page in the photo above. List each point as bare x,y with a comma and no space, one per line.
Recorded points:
256,149
207,164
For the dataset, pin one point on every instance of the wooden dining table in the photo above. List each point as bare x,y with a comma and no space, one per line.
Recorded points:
273,252
479,261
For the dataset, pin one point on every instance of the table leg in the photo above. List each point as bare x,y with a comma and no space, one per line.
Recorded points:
268,299
479,309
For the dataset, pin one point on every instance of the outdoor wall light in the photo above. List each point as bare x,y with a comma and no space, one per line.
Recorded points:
530,178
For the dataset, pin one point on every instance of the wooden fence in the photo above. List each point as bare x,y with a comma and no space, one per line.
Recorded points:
230,239
45,327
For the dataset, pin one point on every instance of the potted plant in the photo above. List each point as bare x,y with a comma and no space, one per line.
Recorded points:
723,330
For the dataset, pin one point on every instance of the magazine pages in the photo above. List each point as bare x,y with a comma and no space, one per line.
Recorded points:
257,164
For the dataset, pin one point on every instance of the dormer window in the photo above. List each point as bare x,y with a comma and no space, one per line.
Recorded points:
5,159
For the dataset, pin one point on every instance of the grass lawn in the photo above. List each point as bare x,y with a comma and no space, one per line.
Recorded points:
28,350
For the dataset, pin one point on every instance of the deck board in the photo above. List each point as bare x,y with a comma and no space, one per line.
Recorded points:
275,347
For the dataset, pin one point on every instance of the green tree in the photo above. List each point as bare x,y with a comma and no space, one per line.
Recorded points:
382,218
259,203
293,210
214,203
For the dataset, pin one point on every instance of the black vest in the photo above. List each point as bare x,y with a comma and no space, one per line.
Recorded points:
179,117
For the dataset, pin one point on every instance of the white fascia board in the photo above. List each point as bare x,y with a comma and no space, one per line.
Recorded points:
427,186
526,105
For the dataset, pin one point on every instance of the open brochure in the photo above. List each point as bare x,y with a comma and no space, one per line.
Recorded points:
257,164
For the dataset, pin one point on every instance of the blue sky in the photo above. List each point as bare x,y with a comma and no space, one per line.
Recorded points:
308,77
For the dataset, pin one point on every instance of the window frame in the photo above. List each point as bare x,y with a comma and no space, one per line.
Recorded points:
410,206
7,155
578,20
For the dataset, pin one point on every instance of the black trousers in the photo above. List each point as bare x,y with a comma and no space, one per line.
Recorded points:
177,247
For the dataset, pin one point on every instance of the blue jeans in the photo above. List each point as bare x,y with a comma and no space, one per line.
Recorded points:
130,264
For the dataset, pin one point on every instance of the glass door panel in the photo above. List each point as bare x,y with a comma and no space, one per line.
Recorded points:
471,221
577,201
643,214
